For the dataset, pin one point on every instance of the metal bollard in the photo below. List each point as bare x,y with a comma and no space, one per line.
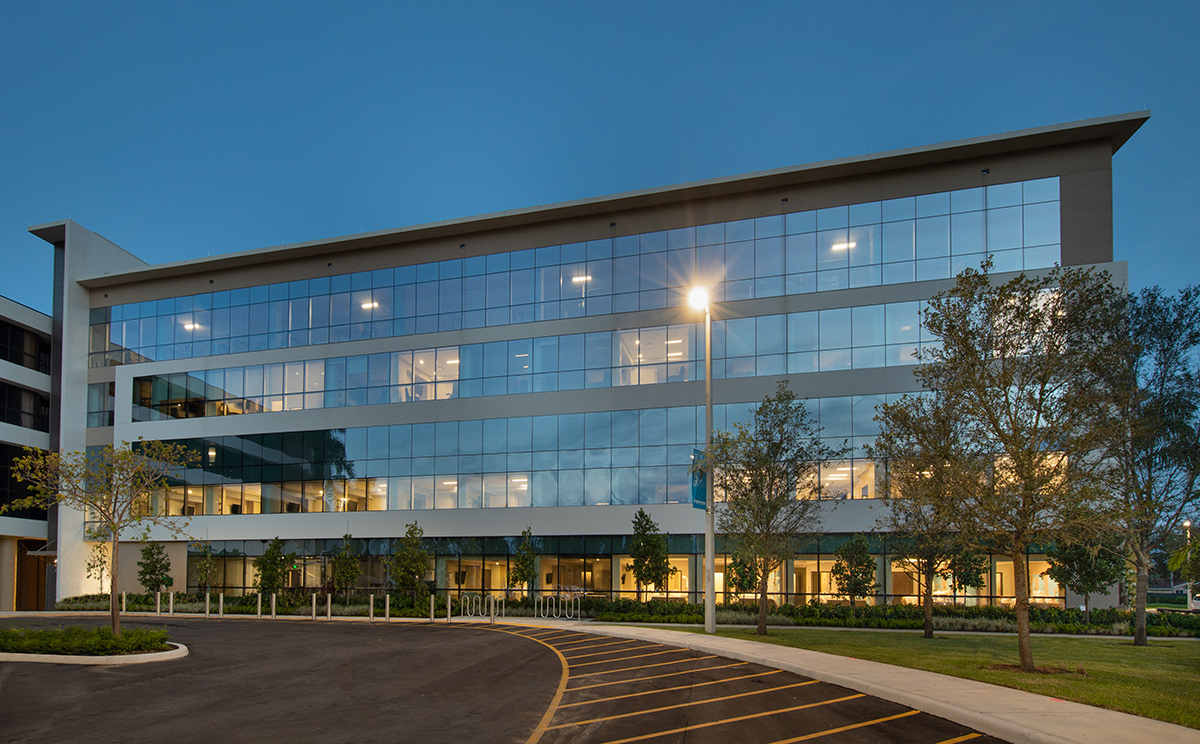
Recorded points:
208,604
221,604
370,608
447,606
387,608
314,611
272,605
431,608
157,603
259,610
328,606
492,604
123,602
171,603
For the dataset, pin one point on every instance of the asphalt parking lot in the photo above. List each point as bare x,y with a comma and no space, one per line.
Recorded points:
301,681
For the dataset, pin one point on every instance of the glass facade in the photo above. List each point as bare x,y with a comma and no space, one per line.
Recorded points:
599,566
933,236
819,340
580,459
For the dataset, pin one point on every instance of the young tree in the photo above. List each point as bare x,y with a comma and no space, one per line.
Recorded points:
206,567
1154,446
648,550
522,567
408,562
926,463
855,569
764,472
1021,364
271,568
344,566
154,567
117,489
740,576
1086,568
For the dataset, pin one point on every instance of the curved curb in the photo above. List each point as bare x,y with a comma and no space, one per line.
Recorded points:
178,652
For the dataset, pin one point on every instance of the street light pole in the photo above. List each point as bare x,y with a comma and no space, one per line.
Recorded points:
698,300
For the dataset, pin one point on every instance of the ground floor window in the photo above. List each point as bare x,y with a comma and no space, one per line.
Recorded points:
600,567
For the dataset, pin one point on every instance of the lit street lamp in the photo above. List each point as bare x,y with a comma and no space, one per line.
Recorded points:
698,299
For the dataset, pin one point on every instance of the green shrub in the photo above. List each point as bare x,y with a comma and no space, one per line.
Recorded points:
76,641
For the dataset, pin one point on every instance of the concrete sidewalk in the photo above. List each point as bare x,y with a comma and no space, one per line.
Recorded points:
1012,715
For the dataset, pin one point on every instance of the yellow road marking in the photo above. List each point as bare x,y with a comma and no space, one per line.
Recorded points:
733,720
614,651
562,686
643,666
840,729
956,740
597,645
636,656
671,689
656,676
688,704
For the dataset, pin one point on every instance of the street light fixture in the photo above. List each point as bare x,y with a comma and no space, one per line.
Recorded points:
698,299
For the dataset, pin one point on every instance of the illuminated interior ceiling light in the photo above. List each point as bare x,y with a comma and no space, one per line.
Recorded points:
845,468
518,356
675,353
578,279
452,361
843,246
369,305
519,480
676,341
449,483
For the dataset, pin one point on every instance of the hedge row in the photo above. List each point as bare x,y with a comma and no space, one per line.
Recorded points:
75,641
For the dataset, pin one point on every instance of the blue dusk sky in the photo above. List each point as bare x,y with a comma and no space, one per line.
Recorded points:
186,130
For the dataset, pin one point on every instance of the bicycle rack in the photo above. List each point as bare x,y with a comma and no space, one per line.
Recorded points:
476,605
557,606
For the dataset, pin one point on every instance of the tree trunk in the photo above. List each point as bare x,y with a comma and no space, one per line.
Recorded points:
762,604
1021,587
1142,562
114,608
927,599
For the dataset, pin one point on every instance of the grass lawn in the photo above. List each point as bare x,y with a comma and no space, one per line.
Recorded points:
1161,681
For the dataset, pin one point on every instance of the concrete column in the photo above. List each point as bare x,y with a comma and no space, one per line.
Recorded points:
8,574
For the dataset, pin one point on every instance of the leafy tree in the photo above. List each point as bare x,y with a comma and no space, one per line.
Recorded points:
117,488
408,562
206,567
1020,365
271,568
967,569
154,567
740,576
762,468
1154,444
921,444
345,567
855,569
1086,568
522,567
648,549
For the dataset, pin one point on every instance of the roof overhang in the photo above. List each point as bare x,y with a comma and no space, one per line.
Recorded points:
1115,129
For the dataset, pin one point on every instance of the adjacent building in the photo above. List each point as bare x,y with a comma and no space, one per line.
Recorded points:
25,336
542,368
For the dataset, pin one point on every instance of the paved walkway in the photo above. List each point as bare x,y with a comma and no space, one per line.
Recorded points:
1013,715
